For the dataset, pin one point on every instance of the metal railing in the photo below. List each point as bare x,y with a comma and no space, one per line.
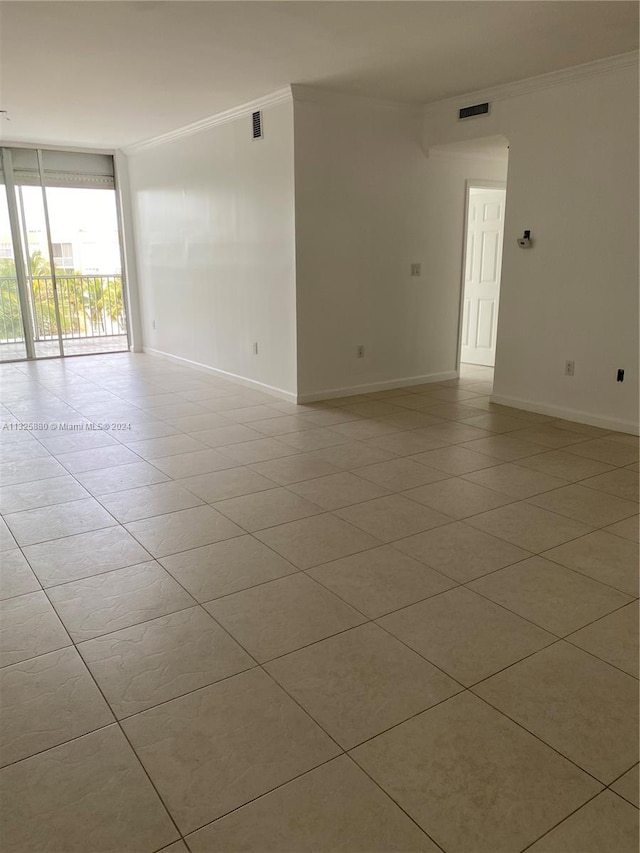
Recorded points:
89,306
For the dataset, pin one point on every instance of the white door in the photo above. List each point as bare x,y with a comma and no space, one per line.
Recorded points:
483,260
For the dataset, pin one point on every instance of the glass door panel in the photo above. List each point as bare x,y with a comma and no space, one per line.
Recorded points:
87,265
61,284
12,337
46,315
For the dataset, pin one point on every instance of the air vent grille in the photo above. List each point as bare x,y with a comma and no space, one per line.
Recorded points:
475,110
256,121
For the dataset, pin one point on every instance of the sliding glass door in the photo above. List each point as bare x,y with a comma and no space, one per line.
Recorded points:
59,232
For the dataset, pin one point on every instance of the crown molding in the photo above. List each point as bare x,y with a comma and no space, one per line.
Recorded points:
530,85
281,96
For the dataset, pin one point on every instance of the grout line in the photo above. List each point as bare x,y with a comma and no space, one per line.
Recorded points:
368,621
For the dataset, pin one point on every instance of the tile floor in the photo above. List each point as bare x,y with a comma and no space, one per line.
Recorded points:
402,621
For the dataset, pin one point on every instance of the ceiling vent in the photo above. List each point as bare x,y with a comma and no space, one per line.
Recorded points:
256,121
475,110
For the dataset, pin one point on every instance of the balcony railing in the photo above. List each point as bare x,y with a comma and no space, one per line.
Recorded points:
89,306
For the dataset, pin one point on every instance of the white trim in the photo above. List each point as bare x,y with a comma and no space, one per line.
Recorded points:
281,96
54,146
331,393
529,85
241,380
577,415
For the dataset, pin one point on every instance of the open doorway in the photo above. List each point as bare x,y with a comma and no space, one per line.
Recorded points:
483,242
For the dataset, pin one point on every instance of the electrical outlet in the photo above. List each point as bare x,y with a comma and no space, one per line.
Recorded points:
569,368
255,348
416,270
360,351
620,377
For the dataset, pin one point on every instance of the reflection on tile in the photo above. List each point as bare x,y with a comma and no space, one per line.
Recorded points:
579,705
146,664
266,509
55,522
622,482
342,810
226,567
277,617
380,580
549,595
97,458
192,464
564,465
147,501
294,469
90,793
361,682
610,452
121,477
16,577
516,481
83,555
40,493
460,551
465,635
219,747
338,490
528,526
28,470
605,823
259,450
400,474
628,528
456,460
457,498
316,540
627,786
179,531
424,764
614,638
46,701
220,485
587,505
29,627
392,517
108,602
602,556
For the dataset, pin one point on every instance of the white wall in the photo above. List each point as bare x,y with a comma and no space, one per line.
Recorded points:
573,180
214,225
369,204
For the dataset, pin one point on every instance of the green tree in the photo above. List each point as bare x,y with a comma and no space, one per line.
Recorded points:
86,303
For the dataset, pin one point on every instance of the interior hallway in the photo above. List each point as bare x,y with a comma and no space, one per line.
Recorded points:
402,621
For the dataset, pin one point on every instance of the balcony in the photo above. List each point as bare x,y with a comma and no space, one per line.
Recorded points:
90,315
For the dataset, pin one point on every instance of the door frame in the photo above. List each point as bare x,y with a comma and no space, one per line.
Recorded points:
472,184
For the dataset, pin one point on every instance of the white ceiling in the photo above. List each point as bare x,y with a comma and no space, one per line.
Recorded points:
112,73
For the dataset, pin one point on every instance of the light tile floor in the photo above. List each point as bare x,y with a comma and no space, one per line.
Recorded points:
402,621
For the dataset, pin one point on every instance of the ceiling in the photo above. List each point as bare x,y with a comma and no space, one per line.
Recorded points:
107,74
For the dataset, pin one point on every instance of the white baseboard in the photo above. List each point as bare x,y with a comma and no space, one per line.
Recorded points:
387,385
614,424
241,380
